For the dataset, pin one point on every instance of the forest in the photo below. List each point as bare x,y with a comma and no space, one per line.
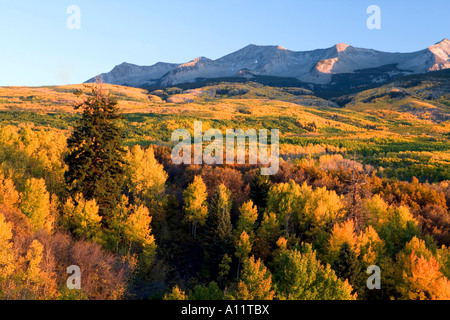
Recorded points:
87,179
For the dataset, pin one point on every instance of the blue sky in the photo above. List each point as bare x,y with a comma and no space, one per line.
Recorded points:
37,48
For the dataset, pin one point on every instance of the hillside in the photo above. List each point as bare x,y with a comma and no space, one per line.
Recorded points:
393,128
367,178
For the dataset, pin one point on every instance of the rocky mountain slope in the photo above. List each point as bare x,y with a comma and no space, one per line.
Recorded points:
330,67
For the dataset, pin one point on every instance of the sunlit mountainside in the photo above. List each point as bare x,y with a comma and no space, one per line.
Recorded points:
363,180
340,66
402,126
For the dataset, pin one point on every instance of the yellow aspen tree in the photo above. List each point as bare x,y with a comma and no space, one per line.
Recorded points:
147,177
8,263
195,204
8,194
243,249
32,277
82,217
138,231
247,218
341,233
35,204
256,281
176,294
419,275
370,245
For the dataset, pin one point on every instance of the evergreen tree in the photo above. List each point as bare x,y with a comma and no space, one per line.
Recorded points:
259,190
210,292
224,269
95,154
347,265
218,228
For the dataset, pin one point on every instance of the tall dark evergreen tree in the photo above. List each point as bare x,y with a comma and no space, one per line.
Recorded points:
259,190
347,265
219,239
95,154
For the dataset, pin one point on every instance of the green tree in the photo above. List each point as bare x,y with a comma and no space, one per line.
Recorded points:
259,190
224,268
398,229
195,205
95,154
347,265
304,210
210,292
300,276
218,228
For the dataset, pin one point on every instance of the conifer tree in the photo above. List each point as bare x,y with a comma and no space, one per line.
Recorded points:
210,292
259,190
347,265
218,228
224,268
95,154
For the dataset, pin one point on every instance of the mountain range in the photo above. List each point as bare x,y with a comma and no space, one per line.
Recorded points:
339,67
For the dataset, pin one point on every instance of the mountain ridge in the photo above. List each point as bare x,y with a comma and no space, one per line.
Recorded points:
319,67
